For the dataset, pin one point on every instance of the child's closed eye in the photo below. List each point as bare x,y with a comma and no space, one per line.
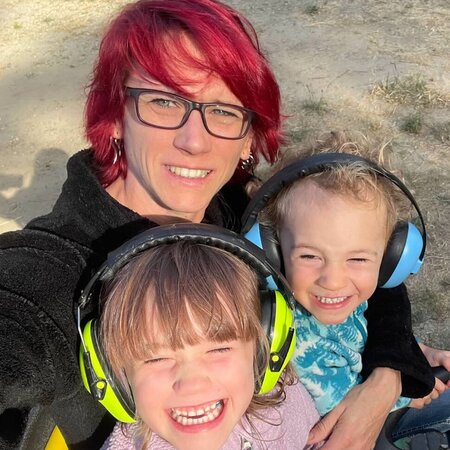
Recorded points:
156,360
308,257
359,260
220,350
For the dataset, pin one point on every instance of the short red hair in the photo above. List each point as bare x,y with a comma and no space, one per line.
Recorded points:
149,35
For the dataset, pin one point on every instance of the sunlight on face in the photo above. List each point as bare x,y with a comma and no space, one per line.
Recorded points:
332,249
176,172
194,396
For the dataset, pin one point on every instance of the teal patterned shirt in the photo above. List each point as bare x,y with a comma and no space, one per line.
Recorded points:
328,358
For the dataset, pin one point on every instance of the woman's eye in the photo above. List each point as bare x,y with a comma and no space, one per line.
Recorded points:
164,102
223,112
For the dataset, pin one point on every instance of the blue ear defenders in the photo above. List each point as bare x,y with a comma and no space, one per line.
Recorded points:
276,310
406,247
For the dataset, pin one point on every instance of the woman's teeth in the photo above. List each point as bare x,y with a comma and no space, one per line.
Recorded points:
190,416
188,173
331,301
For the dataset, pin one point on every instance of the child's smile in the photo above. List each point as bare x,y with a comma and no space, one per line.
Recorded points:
194,396
197,415
332,300
332,248
332,303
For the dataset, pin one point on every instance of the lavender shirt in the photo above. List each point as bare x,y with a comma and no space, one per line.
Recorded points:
293,418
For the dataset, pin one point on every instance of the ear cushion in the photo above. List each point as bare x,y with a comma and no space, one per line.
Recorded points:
277,319
265,238
400,259
97,376
99,379
271,246
403,256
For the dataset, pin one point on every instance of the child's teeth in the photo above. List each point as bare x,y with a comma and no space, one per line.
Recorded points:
331,301
197,416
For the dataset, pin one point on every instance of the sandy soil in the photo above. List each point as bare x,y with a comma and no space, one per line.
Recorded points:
326,54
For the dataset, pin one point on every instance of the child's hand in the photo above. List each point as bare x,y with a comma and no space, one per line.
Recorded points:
439,388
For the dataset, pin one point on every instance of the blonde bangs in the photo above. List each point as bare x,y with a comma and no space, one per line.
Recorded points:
175,295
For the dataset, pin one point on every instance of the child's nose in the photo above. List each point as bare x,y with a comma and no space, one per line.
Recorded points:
333,277
190,379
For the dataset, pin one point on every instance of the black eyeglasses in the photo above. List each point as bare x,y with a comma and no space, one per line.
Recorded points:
168,111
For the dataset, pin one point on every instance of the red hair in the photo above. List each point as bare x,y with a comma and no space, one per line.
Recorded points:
149,36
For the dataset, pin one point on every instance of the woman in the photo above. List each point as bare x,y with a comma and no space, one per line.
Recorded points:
181,97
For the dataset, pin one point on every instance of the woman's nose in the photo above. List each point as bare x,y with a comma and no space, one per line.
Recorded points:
193,137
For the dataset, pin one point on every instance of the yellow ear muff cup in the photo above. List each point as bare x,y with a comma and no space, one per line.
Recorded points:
99,379
282,343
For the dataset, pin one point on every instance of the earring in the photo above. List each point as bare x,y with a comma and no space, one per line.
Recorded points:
117,146
247,164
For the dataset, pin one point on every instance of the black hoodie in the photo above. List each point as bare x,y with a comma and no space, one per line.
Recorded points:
42,270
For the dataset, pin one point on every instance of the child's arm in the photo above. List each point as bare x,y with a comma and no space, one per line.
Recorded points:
391,342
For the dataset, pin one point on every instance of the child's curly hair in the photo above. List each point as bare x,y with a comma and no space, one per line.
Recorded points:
356,180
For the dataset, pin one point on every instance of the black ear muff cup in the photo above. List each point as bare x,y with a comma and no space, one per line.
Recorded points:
277,309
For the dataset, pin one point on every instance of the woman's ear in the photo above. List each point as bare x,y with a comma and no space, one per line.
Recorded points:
247,148
117,131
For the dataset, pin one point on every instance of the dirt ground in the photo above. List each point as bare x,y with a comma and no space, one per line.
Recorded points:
380,68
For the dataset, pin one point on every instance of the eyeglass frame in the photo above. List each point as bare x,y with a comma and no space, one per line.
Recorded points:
249,114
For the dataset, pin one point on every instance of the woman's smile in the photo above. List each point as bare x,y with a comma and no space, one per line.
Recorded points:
188,173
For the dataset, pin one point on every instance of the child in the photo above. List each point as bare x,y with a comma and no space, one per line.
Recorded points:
181,329
333,227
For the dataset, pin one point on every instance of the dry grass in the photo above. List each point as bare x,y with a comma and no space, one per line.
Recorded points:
410,89
412,123
327,55
441,131
317,106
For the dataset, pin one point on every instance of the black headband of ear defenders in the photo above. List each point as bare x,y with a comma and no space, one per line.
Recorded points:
276,318
316,164
200,233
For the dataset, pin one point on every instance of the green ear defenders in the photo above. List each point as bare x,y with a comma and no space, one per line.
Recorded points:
405,251
276,310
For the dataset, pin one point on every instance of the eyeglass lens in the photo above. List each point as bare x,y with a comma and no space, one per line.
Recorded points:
164,110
